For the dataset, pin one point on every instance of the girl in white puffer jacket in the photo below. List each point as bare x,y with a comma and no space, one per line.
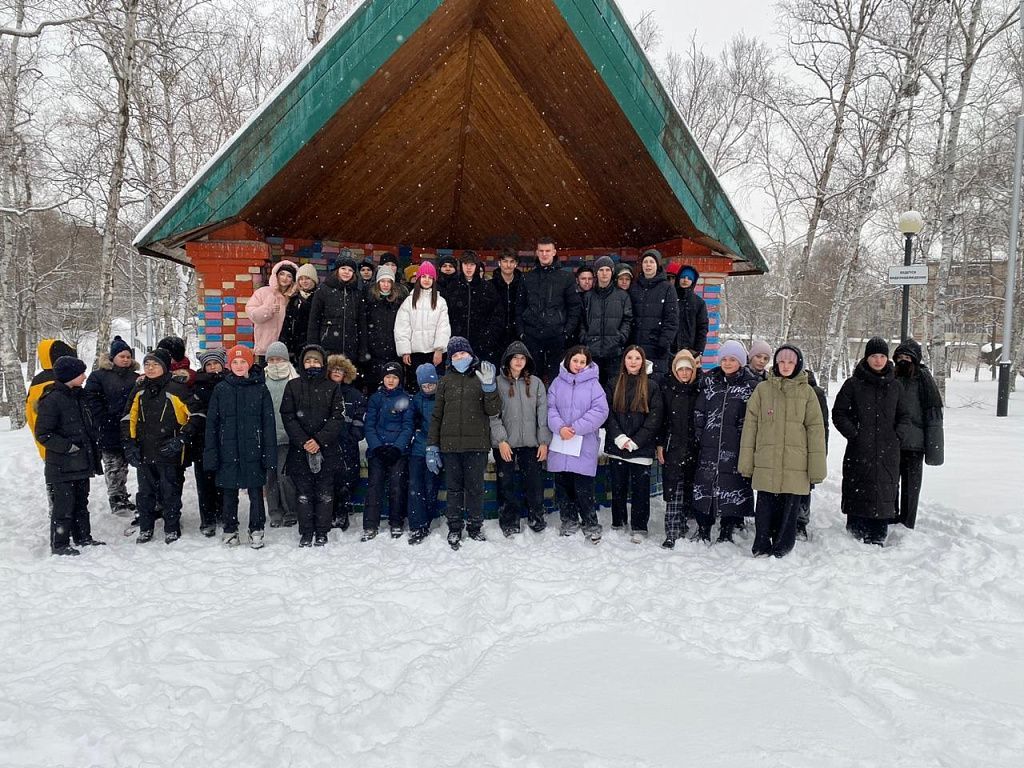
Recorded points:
422,330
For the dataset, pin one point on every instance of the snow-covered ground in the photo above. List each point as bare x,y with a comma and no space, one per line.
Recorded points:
534,652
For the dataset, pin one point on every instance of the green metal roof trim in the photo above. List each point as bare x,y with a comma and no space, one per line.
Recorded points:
371,35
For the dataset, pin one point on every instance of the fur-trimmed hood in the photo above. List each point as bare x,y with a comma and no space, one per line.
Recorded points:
104,363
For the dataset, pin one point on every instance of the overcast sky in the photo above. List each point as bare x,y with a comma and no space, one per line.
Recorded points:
714,22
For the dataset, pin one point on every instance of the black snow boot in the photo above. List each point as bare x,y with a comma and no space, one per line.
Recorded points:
66,551
454,539
417,535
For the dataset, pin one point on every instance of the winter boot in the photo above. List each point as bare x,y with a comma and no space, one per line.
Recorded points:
801,531
369,534
144,537
511,530
594,537
320,540
132,528
638,537
306,540
417,535
569,528
91,542
173,536
537,524
230,539
397,531
66,551
455,539
256,539
725,532
341,522
209,531
477,534
668,544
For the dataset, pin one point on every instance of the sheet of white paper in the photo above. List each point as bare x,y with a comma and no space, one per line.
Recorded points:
571,447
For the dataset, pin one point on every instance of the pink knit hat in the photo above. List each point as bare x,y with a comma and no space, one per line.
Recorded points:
426,268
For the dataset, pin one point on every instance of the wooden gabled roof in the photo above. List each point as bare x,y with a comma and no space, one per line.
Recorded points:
467,123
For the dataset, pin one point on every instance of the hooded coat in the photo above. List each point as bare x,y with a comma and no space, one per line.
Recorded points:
577,400
693,317
296,322
202,394
313,408
379,315
460,421
717,426
679,402
655,315
475,313
47,351
523,421
548,308
642,428
63,421
607,321
866,412
782,449
241,437
336,316
921,431
106,394
267,308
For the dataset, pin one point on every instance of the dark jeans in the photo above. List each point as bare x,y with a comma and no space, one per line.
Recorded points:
634,481
868,529
347,480
911,474
160,483
546,354
678,490
464,479
314,502
257,512
424,486
575,495
776,516
211,498
395,474
520,486
280,490
69,512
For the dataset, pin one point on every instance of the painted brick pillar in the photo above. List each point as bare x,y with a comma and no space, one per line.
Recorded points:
228,272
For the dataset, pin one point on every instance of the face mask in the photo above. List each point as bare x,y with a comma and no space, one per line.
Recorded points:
904,368
462,365
278,370
316,372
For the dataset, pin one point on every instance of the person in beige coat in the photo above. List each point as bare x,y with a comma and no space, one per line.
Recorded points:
782,450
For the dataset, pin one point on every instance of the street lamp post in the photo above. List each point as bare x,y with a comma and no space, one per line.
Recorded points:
911,223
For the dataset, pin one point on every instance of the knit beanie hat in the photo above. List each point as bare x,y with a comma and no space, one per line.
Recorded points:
175,345
876,346
219,355
287,266
654,253
314,351
733,348
458,344
119,345
276,349
426,268
367,263
243,352
426,374
623,268
385,273
603,261
67,368
394,369
447,259
759,347
345,259
308,270
160,356
389,258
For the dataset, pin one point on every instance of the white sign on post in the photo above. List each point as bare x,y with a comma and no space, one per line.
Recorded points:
915,274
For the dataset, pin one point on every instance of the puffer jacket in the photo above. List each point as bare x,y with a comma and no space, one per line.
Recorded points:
508,297
64,426
548,307
867,412
336,317
159,410
106,394
782,449
379,315
607,321
389,420
680,400
202,394
921,431
577,400
460,422
523,421
693,318
267,308
241,437
296,322
655,316
422,411
47,351
420,329
642,428
313,409
717,425
475,313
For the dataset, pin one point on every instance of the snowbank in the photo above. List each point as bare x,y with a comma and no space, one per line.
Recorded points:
538,651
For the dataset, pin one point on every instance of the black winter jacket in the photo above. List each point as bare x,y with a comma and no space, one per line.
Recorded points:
296,323
64,427
202,393
336,317
922,431
548,307
676,437
159,410
106,394
508,296
475,312
379,325
313,408
607,321
692,333
866,412
822,402
655,316
642,428
241,434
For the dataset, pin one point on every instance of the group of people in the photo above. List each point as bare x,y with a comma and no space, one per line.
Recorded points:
285,421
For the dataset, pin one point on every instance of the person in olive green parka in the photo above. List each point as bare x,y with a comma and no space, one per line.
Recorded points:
782,450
